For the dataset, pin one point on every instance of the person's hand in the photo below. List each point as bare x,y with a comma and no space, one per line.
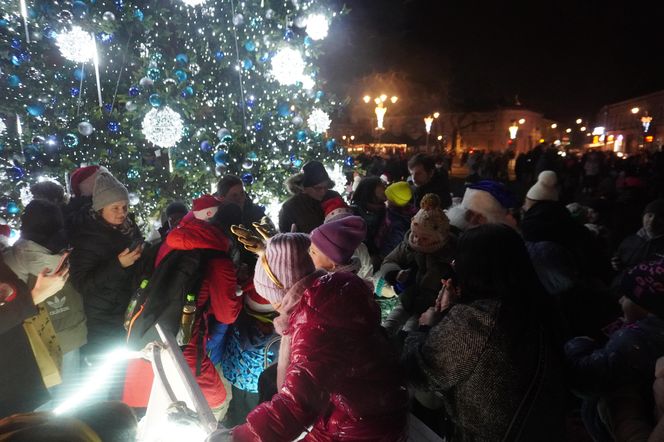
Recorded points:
403,275
615,263
428,318
447,295
128,258
48,285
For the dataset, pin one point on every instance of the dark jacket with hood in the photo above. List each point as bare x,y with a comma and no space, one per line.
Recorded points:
106,287
300,209
639,247
440,185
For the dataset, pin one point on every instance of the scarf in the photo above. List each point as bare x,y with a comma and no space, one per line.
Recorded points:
127,228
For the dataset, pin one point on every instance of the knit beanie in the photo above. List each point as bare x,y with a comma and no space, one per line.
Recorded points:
431,221
82,180
338,239
655,207
315,174
644,285
107,190
42,222
399,193
176,207
205,207
335,208
285,261
545,188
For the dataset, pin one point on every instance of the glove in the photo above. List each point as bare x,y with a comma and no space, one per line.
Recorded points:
249,240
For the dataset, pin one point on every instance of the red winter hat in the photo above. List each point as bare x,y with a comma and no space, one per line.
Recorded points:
256,303
82,180
205,207
335,208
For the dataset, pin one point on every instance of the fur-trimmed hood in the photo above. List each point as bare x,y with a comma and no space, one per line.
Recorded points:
294,184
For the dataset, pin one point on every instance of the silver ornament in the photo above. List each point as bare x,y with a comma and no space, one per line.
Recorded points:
297,120
301,22
248,164
170,82
269,14
238,20
108,16
223,133
134,199
85,128
131,106
146,82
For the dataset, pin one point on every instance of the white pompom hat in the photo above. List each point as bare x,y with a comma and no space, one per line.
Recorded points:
545,189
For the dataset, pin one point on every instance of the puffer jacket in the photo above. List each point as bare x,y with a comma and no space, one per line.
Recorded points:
27,259
343,378
429,269
106,287
497,373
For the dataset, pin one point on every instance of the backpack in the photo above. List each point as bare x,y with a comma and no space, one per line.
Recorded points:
179,273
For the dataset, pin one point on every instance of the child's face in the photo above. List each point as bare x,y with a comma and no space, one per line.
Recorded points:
653,225
320,260
633,312
423,239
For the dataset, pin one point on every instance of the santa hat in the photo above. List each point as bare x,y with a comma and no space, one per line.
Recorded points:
545,188
82,180
257,303
205,207
490,199
335,208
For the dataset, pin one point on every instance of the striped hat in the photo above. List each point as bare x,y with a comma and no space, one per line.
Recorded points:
285,261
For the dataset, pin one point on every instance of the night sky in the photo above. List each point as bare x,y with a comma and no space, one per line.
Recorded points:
564,58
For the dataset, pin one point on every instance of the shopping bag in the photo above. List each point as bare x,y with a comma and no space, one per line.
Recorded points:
45,346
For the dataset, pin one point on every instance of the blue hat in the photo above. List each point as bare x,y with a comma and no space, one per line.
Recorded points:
498,191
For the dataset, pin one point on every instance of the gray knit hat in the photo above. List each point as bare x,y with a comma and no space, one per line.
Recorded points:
107,191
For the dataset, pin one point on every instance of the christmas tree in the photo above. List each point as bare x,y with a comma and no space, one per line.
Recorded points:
168,95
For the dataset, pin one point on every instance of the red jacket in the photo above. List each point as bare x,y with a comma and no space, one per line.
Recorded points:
218,286
343,377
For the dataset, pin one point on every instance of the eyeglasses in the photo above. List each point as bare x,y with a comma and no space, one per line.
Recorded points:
270,274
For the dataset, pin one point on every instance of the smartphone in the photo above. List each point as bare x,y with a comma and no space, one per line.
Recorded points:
137,242
64,262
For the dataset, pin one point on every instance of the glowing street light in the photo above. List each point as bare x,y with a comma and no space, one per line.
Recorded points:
436,114
645,121
582,128
635,110
367,99
394,99
428,121
579,121
554,126
568,130
439,137
383,98
513,129
380,109
522,121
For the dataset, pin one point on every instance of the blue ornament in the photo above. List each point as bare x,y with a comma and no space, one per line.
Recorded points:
331,144
154,74
16,43
132,174
79,74
219,55
297,163
181,164
134,91
258,126
155,100
182,59
36,109
264,58
24,56
289,35
138,14
16,173
15,60
70,140
13,80
119,4
247,179
206,146
108,107
49,32
251,100
74,91
301,135
12,208
113,126
308,41
220,158
252,156
283,109
250,46
187,92
181,75
80,9
3,23
105,38
156,57
319,95
247,64
349,161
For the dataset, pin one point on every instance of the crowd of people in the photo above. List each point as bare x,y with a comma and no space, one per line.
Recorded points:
523,307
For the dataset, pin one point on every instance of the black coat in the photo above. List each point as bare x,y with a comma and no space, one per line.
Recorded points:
440,185
21,386
98,276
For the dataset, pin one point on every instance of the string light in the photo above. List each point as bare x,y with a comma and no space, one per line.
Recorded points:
163,127
76,45
193,2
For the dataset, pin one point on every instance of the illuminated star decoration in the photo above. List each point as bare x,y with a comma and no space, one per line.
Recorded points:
163,127
319,121
76,45
317,26
288,66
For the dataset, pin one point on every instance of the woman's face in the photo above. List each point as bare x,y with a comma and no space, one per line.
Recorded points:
380,193
236,195
116,213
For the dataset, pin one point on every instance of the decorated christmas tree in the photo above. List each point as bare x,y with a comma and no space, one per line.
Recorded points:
168,94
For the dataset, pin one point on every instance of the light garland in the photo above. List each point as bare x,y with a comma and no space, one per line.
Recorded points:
319,121
288,66
317,26
193,2
76,45
163,127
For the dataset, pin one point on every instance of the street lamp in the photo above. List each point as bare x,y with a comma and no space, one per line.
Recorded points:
428,121
513,129
522,121
554,126
635,110
380,109
579,121
645,121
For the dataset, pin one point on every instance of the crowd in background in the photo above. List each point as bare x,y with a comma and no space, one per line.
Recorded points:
513,303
